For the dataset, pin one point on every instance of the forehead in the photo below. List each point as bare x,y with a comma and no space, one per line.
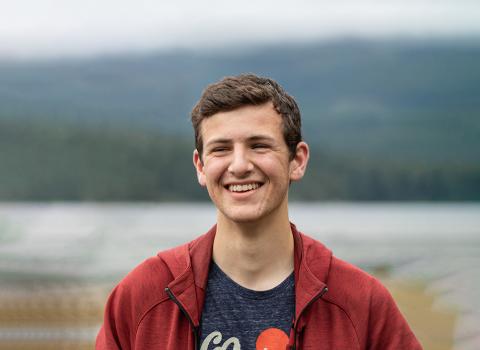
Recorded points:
245,122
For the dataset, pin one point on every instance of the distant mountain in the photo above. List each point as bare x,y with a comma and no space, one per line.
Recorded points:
407,100
386,120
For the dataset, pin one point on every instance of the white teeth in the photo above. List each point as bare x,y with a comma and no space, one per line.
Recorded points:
243,188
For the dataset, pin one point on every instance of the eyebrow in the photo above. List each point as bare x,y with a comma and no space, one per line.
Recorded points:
251,138
261,138
219,140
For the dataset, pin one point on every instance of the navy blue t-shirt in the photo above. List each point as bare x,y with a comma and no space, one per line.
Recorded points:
237,318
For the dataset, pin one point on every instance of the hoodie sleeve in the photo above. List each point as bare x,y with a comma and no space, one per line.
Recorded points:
388,329
115,332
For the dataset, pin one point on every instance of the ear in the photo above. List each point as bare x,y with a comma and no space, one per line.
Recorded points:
298,164
197,163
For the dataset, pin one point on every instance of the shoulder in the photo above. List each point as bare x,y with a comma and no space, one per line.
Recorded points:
130,300
346,282
143,289
370,307
144,286
354,289
146,280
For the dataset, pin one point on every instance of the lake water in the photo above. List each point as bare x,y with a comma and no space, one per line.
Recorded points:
438,243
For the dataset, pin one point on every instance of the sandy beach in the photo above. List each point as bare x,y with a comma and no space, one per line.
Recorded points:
51,315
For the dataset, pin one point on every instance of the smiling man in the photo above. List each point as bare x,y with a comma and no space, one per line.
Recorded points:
253,281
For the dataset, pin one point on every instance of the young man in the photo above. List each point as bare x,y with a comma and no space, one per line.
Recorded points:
253,281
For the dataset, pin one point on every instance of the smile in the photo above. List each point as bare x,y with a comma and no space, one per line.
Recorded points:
244,187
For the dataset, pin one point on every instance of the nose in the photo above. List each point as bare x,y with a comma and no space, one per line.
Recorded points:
240,164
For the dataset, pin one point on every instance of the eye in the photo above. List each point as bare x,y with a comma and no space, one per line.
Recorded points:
259,146
218,149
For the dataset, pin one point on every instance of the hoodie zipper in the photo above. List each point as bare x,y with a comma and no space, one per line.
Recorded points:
295,324
194,329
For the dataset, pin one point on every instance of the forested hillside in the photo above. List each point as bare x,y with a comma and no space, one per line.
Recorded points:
65,162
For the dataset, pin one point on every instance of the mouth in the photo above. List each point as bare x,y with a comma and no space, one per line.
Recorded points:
242,188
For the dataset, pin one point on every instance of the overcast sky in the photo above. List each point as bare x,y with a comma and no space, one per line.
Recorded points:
49,28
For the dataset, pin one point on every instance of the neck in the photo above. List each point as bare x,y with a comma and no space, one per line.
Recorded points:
258,255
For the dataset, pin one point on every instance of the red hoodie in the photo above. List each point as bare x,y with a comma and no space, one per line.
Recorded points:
158,305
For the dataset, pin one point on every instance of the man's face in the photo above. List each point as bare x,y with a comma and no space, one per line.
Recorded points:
246,166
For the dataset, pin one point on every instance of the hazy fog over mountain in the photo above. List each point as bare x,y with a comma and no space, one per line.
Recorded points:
355,96
32,29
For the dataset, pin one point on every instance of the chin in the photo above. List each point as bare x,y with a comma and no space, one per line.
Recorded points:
244,216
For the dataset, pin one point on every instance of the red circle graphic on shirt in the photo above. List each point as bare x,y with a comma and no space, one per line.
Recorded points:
272,339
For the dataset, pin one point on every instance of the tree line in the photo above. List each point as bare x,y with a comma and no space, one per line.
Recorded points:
52,161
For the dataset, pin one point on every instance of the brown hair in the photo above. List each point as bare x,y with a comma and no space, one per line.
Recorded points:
248,89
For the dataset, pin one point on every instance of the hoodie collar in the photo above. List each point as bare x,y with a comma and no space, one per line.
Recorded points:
311,265
190,265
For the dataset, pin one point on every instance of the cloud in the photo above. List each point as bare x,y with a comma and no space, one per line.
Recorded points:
32,28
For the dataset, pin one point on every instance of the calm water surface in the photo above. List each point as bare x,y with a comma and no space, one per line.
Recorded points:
105,240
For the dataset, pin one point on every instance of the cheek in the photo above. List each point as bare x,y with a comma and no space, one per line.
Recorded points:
274,168
214,169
